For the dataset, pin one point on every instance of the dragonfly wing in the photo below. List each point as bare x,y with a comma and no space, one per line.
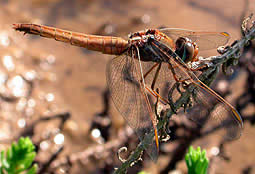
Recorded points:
212,107
123,78
213,113
205,40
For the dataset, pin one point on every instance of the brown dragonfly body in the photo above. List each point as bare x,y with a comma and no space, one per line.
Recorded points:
104,44
148,60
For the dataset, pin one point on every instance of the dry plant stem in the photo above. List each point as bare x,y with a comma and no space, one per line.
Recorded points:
207,77
235,49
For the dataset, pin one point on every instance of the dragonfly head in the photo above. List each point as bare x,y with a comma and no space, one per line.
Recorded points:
186,49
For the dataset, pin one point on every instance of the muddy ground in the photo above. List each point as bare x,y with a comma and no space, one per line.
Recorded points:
42,78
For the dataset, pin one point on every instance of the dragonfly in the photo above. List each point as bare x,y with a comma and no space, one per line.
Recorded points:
149,60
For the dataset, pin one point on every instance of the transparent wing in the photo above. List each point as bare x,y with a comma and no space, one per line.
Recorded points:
123,78
205,40
215,114
212,108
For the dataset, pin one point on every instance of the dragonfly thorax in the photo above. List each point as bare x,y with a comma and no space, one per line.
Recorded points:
142,37
141,42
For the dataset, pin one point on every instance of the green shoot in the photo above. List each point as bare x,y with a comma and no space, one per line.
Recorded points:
143,172
196,161
18,158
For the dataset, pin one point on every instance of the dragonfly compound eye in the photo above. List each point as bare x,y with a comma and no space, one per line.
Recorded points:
184,48
188,52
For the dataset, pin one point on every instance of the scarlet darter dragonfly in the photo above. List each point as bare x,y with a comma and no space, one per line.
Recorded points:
149,60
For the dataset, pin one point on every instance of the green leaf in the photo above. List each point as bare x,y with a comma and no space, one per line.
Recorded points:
19,158
196,161
33,169
143,172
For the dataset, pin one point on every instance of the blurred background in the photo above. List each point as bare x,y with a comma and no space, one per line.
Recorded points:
56,93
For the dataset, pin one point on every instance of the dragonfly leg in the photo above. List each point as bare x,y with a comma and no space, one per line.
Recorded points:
151,90
148,72
155,77
158,65
200,68
170,66
155,94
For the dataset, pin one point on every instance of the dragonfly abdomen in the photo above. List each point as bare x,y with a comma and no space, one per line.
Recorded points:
104,44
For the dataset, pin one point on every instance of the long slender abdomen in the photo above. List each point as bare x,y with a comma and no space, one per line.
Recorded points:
104,44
